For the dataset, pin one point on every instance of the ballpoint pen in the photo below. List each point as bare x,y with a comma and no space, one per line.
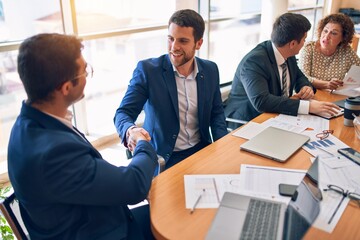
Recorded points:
197,201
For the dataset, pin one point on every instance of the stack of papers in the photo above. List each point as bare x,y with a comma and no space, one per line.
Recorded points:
263,182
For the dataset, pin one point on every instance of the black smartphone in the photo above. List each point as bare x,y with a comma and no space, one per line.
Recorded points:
287,189
351,154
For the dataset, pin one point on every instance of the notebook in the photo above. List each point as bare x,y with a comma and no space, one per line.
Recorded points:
244,217
275,143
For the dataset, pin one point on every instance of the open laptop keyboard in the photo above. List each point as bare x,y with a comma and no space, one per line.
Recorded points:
261,221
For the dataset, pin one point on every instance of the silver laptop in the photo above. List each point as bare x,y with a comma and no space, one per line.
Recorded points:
245,217
275,143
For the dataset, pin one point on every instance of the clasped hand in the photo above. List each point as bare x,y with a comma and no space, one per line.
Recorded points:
136,134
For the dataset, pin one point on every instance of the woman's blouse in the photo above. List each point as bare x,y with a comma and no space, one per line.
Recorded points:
316,65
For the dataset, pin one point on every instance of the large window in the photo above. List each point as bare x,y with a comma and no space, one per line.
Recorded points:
117,34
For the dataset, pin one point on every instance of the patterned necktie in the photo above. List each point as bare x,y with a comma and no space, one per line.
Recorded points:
285,91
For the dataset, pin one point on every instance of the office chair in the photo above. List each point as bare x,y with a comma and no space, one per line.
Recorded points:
232,123
10,208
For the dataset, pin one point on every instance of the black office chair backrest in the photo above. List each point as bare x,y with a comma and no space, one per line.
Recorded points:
10,208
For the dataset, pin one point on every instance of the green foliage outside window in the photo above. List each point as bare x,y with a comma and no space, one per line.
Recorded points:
6,232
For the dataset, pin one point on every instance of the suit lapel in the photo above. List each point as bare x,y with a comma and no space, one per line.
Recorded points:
170,82
201,93
274,65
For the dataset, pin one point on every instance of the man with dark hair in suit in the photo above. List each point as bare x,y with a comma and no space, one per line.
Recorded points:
66,190
268,76
179,93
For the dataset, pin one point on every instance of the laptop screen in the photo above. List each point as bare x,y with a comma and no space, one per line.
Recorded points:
304,206
237,218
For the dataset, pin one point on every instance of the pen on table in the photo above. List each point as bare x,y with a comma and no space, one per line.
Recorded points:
197,201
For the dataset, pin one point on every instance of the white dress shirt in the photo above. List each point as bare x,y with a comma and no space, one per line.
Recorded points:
189,134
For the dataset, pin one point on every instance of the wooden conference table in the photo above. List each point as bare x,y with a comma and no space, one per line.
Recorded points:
171,220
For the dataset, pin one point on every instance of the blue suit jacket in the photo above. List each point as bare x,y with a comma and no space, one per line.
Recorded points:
256,86
153,87
65,189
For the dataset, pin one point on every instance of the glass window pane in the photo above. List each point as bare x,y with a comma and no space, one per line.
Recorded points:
11,95
241,36
21,19
295,4
114,60
220,8
98,15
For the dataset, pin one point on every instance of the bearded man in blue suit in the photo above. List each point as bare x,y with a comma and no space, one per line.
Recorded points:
179,93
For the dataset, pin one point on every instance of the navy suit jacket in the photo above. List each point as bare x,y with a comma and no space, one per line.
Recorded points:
256,85
153,88
66,190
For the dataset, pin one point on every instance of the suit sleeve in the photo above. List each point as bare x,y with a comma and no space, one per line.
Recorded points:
79,177
262,87
132,103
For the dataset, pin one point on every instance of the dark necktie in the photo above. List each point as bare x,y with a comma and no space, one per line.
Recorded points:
285,91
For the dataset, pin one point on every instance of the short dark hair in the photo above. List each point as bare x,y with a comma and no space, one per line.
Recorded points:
189,18
45,61
288,27
347,25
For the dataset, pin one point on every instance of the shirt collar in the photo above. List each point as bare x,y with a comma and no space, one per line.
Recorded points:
66,120
278,57
193,73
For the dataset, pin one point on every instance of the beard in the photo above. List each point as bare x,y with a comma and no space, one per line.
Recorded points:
179,58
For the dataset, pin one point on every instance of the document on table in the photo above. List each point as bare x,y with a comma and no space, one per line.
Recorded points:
251,129
341,172
316,123
254,180
214,185
327,146
263,182
351,86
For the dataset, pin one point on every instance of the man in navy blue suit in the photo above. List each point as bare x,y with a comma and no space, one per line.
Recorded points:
66,190
179,93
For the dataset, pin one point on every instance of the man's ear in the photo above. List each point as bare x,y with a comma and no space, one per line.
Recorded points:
292,44
66,87
199,43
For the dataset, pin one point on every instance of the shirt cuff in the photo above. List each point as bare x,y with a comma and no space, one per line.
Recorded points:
128,134
304,107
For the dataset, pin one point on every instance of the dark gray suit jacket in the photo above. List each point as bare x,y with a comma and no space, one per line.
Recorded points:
256,86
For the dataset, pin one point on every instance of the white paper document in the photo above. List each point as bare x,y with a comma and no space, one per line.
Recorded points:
210,187
327,146
344,174
251,129
351,86
261,181
316,123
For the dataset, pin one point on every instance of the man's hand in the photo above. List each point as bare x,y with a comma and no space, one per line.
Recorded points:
136,134
325,109
305,93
